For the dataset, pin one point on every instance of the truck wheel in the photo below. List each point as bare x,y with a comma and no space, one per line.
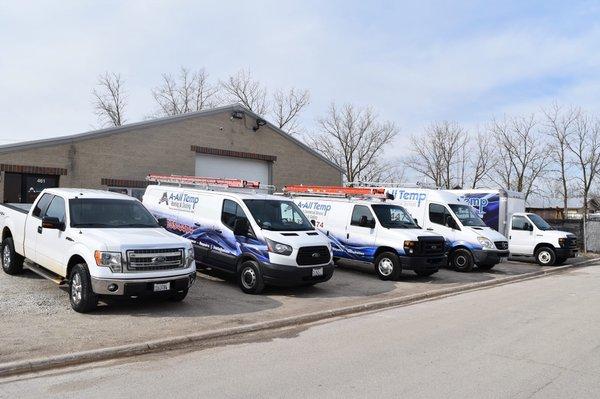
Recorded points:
387,266
250,278
81,295
425,273
486,266
545,256
178,296
12,262
462,260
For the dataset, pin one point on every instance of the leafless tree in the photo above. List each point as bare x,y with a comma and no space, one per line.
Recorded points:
522,155
439,154
287,106
559,123
190,91
483,159
243,88
354,139
109,99
584,144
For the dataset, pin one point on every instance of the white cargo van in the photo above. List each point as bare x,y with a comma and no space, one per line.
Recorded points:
471,241
259,238
371,230
528,234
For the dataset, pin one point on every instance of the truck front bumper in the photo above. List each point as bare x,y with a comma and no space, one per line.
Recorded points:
489,257
424,263
566,252
139,287
289,276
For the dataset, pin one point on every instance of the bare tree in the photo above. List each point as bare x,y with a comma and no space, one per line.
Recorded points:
287,105
439,155
109,99
484,159
522,155
243,88
559,124
354,139
190,91
584,144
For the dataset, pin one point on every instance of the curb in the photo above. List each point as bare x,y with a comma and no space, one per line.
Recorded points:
96,355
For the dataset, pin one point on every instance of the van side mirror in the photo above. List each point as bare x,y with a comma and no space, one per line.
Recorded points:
313,222
527,227
366,222
52,223
162,222
240,227
450,222
416,221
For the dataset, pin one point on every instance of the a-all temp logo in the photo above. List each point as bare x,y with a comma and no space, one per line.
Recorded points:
179,201
314,208
478,203
413,197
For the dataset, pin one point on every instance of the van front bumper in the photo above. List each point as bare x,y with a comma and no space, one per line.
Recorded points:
290,276
489,257
566,252
425,263
140,287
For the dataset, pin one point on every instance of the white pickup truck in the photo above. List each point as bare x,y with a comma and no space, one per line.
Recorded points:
97,242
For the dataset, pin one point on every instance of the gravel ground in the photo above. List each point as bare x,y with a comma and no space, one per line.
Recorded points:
37,319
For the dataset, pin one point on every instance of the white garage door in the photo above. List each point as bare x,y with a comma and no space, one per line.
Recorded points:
230,167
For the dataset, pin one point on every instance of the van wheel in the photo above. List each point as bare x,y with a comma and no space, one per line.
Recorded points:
178,296
12,262
81,295
250,278
462,260
545,256
387,266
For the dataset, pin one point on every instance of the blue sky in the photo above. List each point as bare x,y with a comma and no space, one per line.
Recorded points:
415,63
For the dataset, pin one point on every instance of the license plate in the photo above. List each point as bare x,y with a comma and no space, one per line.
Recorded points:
162,287
317,272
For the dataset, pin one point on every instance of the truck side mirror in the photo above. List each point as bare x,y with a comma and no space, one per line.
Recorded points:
53,223
416,221
240,227
366,222
162,222
313,222
528,227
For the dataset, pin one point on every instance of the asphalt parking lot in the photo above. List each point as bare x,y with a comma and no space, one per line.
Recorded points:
37,320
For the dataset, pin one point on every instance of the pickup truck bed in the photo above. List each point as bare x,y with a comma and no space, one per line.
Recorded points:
23,208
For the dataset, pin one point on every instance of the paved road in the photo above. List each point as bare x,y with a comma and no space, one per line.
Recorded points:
539,338
34,312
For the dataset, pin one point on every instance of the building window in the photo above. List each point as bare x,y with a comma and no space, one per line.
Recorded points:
132,192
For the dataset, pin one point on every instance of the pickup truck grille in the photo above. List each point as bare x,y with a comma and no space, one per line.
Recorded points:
571,242
502,245
313,256
143,260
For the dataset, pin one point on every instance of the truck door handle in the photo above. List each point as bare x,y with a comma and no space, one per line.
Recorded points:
429,229
197,224
39,229
218,231
347,235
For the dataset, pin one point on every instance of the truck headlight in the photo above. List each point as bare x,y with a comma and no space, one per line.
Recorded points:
562,241
190,257
486,243
279,248
410,246
111,260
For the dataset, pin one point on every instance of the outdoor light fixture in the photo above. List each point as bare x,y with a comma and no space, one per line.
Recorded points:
259,122
237,115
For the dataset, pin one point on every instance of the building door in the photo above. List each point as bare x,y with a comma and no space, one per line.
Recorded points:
232,168
25,187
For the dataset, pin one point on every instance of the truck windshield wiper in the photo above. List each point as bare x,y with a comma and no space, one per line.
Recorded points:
92,225
138,225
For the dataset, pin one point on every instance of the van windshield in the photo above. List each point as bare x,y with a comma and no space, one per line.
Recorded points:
539,222
278,215
394,217
110,213
467,216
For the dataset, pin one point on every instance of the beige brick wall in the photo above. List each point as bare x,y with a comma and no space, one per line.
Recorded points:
165,148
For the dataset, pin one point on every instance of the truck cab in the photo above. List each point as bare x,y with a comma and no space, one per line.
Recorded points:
531,236
98,243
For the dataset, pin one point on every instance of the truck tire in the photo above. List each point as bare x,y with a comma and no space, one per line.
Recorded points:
12,262
250,278
545,256
486,266
178,296
82,297
387,266
462,260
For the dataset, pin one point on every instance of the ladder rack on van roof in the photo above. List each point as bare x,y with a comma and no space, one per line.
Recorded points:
391,185
337,191
207,182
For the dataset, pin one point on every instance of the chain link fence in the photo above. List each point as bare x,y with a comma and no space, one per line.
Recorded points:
576,227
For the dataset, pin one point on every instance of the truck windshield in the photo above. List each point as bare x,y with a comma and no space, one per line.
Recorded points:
539,222
467,216
109,213
278,215
394,217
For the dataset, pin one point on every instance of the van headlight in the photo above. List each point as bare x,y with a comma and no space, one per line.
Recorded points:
279,248
112,260
486,243
190,257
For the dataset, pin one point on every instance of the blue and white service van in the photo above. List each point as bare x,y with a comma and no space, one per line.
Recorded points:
471,241
369,230
262,239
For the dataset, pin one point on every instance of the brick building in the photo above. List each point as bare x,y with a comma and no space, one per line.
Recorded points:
229,141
